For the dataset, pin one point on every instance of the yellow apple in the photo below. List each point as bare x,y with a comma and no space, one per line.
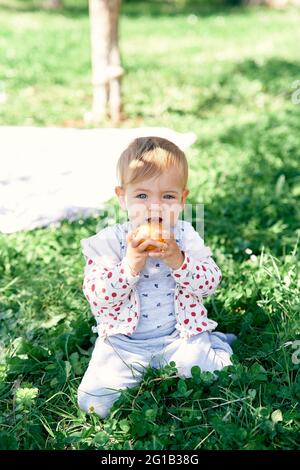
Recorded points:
151,230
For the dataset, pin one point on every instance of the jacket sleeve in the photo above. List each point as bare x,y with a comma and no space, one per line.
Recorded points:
198,273
108,280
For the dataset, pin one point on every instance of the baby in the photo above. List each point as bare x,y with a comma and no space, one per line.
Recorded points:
147,294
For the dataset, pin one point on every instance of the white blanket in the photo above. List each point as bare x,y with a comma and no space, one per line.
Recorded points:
51,174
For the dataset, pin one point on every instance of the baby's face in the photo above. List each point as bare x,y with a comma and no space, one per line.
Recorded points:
161,198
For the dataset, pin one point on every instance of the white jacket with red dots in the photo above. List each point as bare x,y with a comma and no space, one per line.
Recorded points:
109,285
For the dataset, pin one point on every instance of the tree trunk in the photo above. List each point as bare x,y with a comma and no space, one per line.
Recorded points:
115,105
106,62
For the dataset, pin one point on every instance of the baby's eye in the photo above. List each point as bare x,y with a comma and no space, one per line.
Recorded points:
143,194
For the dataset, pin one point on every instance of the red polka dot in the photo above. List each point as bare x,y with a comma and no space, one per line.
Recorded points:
122,271
188,259
202,312
212,279
197,267
93,287
193,314
114,294
211,287
187,296
117,309
203,267
120,279
198,275
204,324
129,319
184,266
186,321
199,329
181,292
106,297
200,287
206,282
109,274
177,275
124,287
103,290
193,305
181,304
95,303
116,318
186,283
90,261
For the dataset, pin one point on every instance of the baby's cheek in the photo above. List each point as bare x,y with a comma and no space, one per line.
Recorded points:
136,210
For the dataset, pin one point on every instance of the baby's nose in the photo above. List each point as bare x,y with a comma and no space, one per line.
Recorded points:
155,208
154,214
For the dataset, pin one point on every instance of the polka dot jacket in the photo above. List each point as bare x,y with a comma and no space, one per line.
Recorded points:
109,285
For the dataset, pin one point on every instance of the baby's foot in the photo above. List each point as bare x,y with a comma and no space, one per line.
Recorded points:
230,337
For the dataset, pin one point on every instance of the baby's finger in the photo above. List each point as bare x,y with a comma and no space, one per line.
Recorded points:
129,237
150,241
132,239
159,247
156,254
142,246
136,241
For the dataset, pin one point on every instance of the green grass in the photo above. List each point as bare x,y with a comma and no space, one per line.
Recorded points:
227,75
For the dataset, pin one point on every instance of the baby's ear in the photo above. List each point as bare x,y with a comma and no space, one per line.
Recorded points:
185,194
119,190
120,193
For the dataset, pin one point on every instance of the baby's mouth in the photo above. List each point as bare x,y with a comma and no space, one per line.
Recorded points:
154,219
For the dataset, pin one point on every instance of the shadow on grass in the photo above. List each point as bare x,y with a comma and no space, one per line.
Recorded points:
259,205
271,72
30,6
133,8
276,77
155,8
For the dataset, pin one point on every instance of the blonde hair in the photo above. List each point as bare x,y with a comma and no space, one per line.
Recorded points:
146,157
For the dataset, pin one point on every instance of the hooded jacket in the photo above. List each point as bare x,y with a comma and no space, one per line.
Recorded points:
110,286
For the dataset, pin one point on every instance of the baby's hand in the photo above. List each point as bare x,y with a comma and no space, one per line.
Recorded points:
136,254
171,254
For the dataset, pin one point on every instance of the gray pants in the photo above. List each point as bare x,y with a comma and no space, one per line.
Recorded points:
118,362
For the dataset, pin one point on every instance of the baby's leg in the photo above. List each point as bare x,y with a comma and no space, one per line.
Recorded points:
110,370
209,353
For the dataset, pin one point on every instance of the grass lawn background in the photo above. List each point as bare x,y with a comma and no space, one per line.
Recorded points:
227,74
